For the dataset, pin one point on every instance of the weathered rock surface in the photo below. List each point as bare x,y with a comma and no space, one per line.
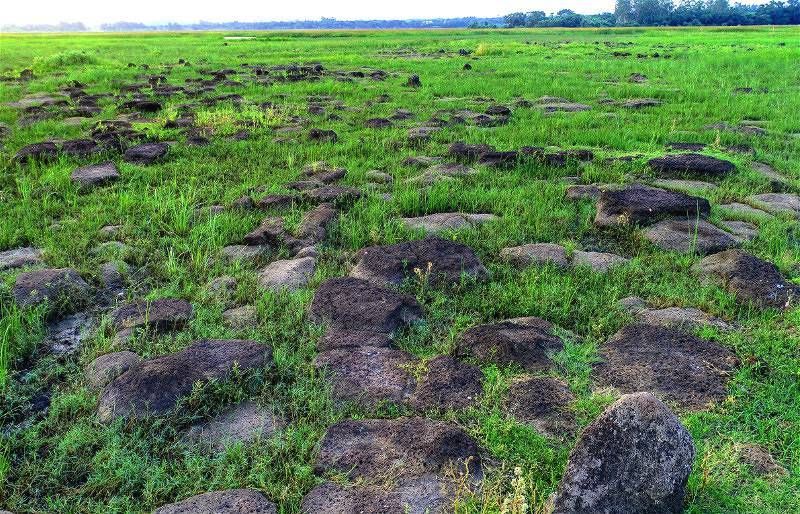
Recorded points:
291,274
749,278
368,375
232,501
638,204
444,171
687,319
156,385
670,363
448,384
244,253
528,342
238,318
543,402
601,262
19,258
146,153
241,423
435,223
536,253
159,315
693,164
443,261
778,203
62,288
95,175
65,336
101,371
635,459
690,236
403,448
354,304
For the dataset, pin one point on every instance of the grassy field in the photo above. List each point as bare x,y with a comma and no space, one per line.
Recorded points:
62,459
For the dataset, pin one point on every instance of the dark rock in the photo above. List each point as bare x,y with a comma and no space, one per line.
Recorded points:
528,342
146,153
672,364
635,458
322,135
498,110
232,501
339,195
270,232
101,371
241,423
314,225
368,375
95,174
160,315
334,339
428,494
354,304
692,164
448,384
65,336
80,147
61,288
749,278
157,384
19,258
689,147
499,159
543,402
323,172
369,448
469,153
414,81
441,261
690,236
378,123
275,201
45,151
638,204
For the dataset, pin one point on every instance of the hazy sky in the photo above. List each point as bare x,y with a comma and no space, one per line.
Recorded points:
95,12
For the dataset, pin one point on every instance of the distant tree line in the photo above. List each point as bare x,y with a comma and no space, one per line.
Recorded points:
324,23
667,13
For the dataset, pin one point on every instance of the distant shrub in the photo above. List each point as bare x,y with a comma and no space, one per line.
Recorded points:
64,59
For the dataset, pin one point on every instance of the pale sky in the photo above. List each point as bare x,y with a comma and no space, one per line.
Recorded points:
95,12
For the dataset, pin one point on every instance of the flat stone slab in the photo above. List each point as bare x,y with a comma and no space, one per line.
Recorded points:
314,225
156,385
670,363
232,501
638,204
291,274
369,375
687,319
742,230
741,209
95,175
777,181
354,304
424,495
403,448
447,384
19,258
692,164
441,261
435,223
528,342
636,458
536,254
685,185
160,315
239,318
749,278
778,203
690,236
62,288
105,368
543,402
600,262
65,336
443,171
147,153
563,106
242,423
244,253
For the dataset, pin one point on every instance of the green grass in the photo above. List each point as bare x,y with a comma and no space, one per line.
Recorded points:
66,461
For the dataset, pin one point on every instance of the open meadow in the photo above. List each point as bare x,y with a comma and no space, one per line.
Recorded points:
401,270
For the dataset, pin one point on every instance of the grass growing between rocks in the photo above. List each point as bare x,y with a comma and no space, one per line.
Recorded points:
55,456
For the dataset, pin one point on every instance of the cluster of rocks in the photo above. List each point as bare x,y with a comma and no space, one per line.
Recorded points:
554,254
